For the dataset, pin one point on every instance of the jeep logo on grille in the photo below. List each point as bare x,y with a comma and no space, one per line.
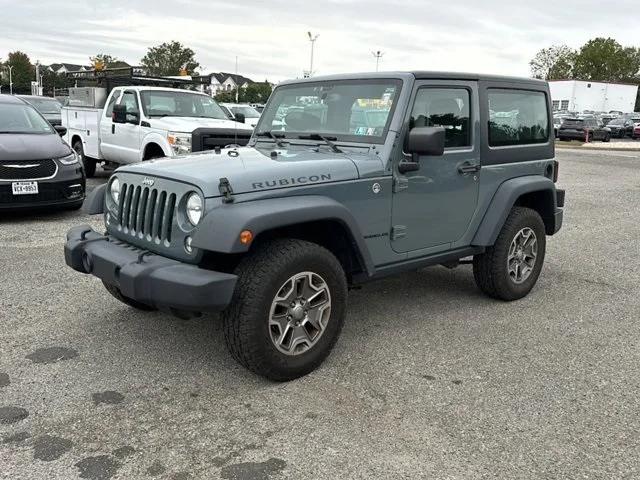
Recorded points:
148,181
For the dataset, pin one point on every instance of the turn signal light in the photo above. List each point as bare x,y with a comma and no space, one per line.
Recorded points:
246,236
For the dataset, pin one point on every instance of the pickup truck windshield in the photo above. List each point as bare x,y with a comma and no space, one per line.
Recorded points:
342,110
44,105
162,103
20,118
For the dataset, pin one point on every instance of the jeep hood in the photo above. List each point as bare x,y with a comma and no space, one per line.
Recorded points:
189,124
250,170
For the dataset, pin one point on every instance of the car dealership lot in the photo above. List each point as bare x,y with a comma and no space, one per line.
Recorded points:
430,379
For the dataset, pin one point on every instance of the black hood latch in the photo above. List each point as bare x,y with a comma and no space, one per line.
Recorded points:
225,190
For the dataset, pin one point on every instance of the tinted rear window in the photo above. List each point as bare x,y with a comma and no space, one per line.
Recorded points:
517,117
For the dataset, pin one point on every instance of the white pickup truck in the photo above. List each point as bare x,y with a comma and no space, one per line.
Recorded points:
136,123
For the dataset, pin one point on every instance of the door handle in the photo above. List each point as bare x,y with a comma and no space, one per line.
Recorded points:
113,128
468,167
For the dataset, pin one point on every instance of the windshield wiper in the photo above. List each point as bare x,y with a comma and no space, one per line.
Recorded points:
272,136
327,140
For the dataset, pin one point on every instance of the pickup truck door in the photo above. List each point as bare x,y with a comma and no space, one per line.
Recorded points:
107,128
433,206
127,135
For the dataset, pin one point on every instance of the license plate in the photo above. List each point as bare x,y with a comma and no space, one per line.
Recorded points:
24,188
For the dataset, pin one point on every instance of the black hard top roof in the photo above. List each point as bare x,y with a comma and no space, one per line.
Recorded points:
424,75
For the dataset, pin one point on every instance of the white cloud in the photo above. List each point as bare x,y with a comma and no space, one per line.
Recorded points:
269,38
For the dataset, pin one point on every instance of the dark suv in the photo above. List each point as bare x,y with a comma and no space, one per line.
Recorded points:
451,167
37,168
586,129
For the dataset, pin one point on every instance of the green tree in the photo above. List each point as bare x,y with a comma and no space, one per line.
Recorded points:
22,73
106,60
604,59
168,59
257,92
553,63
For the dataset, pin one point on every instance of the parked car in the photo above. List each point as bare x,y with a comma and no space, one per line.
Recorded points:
618,127
633,122
585,128
273,234
49,107
636,131
242,113
138,123
37,168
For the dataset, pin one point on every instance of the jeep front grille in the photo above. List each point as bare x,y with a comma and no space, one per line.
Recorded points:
146,213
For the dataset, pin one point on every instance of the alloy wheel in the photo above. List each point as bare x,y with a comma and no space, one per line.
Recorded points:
523,252
299,313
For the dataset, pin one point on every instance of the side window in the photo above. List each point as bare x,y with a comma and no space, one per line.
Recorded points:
129,99
112,101
517,117
444,107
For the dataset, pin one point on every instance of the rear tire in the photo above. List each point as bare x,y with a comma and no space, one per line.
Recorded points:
116,293
264,328
492,269
89,164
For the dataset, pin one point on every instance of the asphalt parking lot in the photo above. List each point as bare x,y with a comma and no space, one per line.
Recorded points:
429,379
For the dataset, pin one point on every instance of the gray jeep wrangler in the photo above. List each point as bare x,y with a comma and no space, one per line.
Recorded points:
346,179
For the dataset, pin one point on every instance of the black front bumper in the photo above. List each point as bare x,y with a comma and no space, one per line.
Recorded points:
148,278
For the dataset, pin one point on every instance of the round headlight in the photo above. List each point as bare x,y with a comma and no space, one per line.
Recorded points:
194,208
114,189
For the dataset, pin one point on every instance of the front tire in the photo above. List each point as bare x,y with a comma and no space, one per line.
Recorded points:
89,164
510,268
287,310
607,137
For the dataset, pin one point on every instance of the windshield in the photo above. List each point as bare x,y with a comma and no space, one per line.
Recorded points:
349,110
163,103
248,112
44,105
616,121
21,118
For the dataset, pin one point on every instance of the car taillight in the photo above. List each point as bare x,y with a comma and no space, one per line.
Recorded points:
556,168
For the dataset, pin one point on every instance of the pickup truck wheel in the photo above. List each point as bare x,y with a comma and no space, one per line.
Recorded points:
89,164
509,269
115,291
287,310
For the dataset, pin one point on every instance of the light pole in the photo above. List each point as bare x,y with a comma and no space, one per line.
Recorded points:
312,39
378,54
10,80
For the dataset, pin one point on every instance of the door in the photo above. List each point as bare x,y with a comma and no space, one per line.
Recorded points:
127,135
107,128
433,206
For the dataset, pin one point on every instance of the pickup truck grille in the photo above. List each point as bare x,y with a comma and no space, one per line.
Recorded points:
146,212
28,169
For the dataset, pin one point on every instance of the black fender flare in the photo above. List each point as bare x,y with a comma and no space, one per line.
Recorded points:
94,203
219,230
503,201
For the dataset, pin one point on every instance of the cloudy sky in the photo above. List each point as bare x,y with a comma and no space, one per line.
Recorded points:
269,37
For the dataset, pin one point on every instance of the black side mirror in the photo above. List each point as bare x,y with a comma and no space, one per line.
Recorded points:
119,114
240,118
62,131
425,141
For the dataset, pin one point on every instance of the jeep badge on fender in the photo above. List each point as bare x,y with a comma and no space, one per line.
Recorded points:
345,179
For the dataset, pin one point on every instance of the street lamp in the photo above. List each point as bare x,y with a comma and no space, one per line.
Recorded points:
312,39
378,54
10,80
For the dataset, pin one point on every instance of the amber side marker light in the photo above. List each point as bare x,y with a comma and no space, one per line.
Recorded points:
245,237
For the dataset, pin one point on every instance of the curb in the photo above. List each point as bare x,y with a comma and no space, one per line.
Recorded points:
584,146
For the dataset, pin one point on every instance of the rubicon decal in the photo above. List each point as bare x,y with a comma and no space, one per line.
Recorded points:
283,182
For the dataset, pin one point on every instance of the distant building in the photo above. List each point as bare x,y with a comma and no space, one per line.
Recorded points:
226,82
581,95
